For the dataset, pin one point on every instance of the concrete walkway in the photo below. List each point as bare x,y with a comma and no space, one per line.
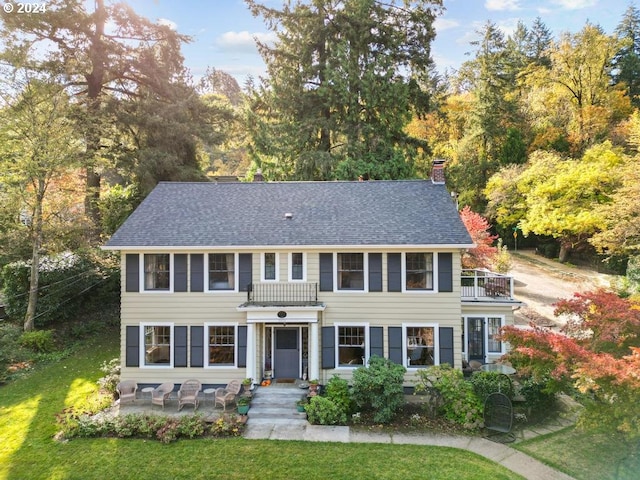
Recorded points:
506,456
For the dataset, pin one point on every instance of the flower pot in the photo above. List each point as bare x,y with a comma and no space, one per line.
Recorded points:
300,408
243,409
313,387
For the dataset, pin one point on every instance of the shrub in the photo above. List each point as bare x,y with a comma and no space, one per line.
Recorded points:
485,383
538,397
109,382
337,390
379,387
323,411
226,426
460,404
39,341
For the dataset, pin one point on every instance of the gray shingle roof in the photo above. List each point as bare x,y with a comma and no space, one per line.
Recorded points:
412,212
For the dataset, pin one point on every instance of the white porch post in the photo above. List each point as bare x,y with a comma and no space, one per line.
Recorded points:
314,352
251,352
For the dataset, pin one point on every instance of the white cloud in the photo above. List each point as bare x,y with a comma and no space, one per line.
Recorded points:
501,5
169,23
442,24
243,41
575,4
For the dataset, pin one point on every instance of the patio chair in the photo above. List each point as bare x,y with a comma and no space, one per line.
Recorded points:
161,394
127,391
228,394
188,393
498,418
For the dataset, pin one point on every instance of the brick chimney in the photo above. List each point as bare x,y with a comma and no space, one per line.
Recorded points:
257,177
437,171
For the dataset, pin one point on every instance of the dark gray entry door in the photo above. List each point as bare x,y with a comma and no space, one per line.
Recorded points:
287,353
475,345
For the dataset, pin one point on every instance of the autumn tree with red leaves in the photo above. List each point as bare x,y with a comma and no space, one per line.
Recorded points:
597,352
484,254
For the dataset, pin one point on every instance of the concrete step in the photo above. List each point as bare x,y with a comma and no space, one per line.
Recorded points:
276,405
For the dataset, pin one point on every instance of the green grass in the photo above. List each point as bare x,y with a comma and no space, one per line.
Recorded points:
27,450
585,455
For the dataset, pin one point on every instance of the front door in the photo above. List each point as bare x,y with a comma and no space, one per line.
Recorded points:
286,362
475,345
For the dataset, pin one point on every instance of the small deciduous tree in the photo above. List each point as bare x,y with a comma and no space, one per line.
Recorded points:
597,353
483,255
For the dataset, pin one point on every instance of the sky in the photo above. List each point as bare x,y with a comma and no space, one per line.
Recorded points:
223,31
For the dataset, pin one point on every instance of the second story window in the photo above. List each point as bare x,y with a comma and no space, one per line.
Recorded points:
350,271
270,266
419,271
221,271
157,272
297,266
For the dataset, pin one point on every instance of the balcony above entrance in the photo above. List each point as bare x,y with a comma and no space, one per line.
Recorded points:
282,294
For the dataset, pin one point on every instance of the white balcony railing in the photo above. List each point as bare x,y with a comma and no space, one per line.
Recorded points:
483,284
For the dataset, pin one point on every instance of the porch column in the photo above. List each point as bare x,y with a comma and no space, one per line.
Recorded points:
251,352
314,351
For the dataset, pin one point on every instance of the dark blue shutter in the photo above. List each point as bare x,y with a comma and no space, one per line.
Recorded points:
445,272
197,346
180,346
395,344
394,272
326,272
132,274
242,346
446,345
197,272
375,272
180,272
132,346
328,347
245,276
376,341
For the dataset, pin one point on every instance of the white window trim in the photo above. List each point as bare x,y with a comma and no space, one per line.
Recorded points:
367,345
207,363
485,340
236,274
263,265
142,345
436,344
365,260
304,267
143,288
403,279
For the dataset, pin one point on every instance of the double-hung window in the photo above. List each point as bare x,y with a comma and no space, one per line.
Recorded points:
157,344
419,271
296,266
493,331
350,271
420,346
222,345
157,271
351,345
222,271
270,267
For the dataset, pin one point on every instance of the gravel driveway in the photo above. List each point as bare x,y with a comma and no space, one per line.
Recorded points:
540,282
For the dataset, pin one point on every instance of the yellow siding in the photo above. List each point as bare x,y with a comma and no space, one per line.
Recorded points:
375,309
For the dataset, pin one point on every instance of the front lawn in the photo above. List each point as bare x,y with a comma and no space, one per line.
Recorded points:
29,405
585,455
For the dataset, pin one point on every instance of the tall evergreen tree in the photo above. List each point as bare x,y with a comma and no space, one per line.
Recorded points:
98,53
344,78
626,62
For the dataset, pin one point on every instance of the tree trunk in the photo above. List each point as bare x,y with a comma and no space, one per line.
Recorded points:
565,251
36,243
